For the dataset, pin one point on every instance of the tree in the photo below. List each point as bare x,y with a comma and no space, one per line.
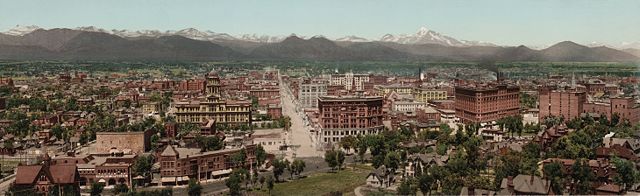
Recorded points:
582,177
233,183
392,161
348,142
425,182
340,158
278,168
262,179
120,188
553,172
298,166
289,168
96,188
270,183
261,155
405,188
194,188
627,173
142,165
331,159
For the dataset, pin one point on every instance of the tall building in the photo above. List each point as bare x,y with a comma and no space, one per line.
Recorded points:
487,103
350,81
309,92
213,107
352,115
566,103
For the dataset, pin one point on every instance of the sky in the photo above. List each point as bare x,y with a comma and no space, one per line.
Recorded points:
503,22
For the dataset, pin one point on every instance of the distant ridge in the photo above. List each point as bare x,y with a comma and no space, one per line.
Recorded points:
96,44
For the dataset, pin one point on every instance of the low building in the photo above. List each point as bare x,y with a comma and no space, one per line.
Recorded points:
43,178
179,165
526,185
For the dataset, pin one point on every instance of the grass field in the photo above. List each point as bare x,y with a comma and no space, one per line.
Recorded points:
345,181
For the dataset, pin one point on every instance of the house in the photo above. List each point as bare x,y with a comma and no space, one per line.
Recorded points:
419,163
609,189
478,192
380,178
546,137
45,177
526,185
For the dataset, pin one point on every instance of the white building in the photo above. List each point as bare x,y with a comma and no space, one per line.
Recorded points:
407,106
350,81
309,92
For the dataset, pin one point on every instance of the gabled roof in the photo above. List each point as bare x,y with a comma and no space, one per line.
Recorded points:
63,174
531,185
27,174
169,151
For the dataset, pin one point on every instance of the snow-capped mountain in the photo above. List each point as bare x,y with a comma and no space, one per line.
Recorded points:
261,38
19,30
352,38
626,45
423,36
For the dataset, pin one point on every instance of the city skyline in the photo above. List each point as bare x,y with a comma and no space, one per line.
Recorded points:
531,23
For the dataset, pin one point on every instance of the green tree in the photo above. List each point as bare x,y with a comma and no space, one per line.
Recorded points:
425,182
553,172
194,188
298,166
261,155
270,183
120,188
278,168
405,188
627,173
331,158
233,183
142,165
348,142
340,156
96,188
582,177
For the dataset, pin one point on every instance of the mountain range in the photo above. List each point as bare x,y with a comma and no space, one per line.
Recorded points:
91,43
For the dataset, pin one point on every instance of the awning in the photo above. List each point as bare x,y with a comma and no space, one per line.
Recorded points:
168,179
102,181
183,178
221,172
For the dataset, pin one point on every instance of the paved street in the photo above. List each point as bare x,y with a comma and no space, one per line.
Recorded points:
299,135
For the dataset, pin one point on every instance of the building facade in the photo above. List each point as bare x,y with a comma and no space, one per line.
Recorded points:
123,142
309,92
352,115
178,165
213,107
486,104
350,81
568,104
426,94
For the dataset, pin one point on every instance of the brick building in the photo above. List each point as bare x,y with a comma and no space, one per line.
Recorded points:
561,103
123,142
625,107
179,165
487,103
351,115
106,169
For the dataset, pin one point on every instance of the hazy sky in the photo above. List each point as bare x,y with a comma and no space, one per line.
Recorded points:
506,22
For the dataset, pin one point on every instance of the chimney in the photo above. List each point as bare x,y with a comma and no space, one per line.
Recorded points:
531,180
